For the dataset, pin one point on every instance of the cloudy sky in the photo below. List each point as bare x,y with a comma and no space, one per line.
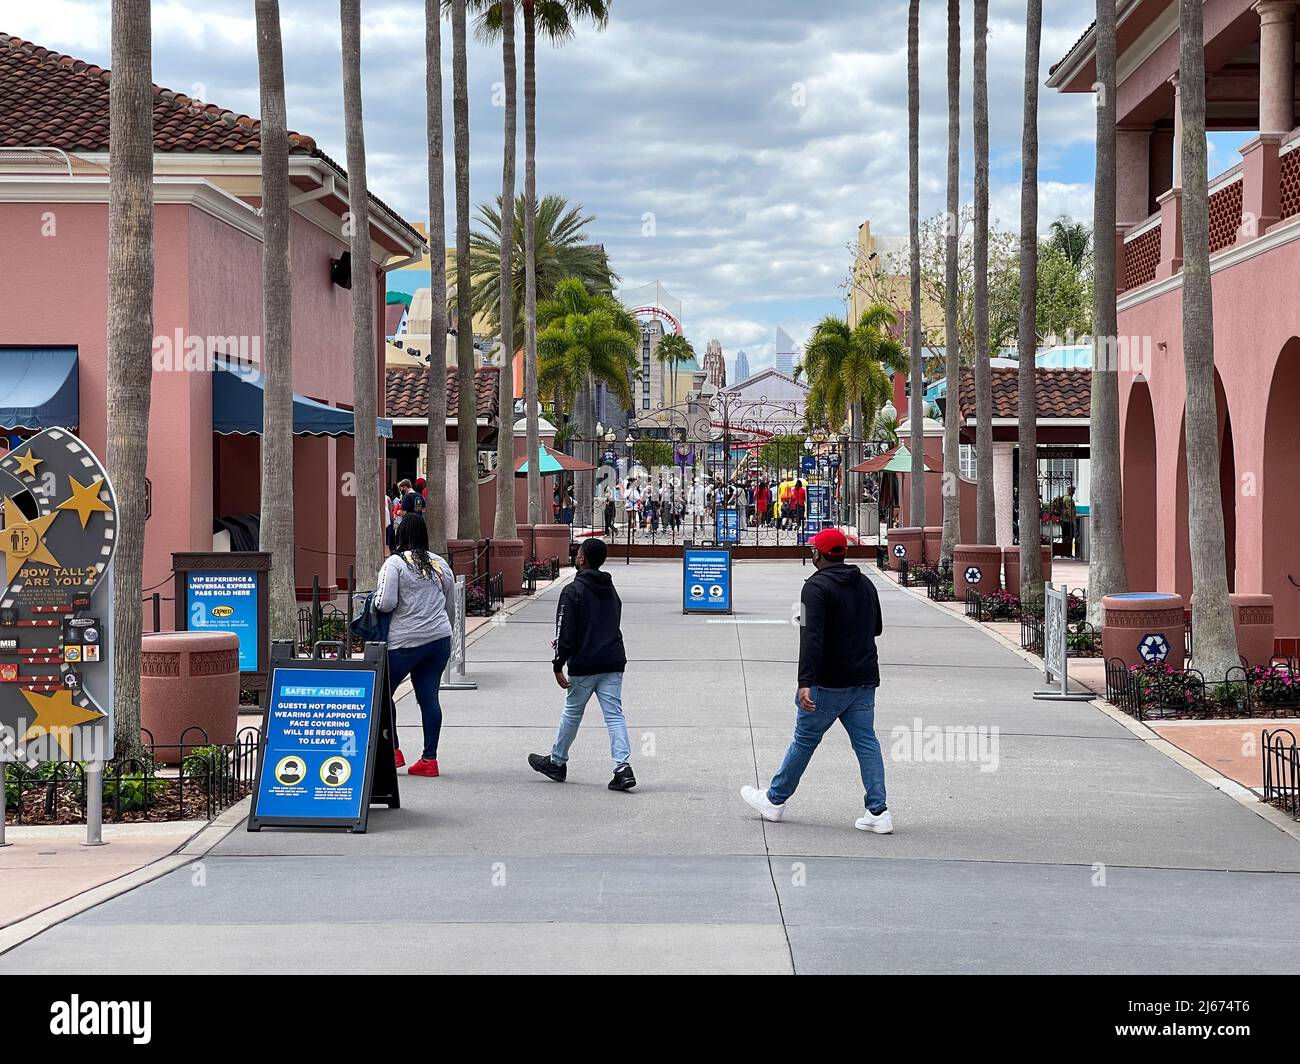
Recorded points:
757,133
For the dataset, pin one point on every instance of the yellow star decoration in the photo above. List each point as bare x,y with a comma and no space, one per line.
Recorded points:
85,500
56,715
27,463
23,541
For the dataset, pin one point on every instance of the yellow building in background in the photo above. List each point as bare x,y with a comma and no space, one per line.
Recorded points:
880,274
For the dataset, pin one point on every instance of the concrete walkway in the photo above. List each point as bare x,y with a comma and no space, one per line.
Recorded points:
1080,849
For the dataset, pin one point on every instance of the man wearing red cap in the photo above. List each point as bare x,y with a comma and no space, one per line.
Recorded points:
838,676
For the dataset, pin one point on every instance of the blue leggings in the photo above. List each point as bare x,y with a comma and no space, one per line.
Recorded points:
424,665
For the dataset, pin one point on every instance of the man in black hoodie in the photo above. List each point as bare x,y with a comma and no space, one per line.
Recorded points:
588,640
838,676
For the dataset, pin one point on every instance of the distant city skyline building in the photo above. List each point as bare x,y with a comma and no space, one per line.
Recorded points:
786,353
715,366
742,366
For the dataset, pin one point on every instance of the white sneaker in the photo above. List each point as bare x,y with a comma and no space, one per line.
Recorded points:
878,825
758,800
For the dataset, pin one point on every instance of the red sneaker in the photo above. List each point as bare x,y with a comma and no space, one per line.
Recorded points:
424,767
399,759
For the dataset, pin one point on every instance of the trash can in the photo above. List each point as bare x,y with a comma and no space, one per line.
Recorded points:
976,567
1253,617
508,560
1011,567
188,681
905,545
1144,628
933,543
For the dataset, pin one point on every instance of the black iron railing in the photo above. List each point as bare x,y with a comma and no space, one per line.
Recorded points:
1281,764
206,779
1159,690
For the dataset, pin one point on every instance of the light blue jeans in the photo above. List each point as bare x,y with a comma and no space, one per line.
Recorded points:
855,708
608,689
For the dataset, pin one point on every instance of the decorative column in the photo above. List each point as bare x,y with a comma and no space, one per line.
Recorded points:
1133,176
1004,465
1276,65
1178,134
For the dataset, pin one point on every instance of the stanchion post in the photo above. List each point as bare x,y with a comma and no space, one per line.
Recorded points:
95,804
157,611
3,774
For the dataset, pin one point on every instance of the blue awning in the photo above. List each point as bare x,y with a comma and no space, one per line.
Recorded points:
237,409
38,388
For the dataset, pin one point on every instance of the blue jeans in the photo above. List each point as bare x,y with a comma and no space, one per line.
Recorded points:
424,665
608,689
855,708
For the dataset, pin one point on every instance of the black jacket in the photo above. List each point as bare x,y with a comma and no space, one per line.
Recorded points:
841,620
587,636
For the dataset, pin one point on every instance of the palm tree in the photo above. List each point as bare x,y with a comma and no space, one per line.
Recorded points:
951,428
555,20
986,522
365,379
562,251
1071,238
1107,571
436,466
276,531
130,342
505,527
672,351
1215,647
849,368
467,406
585,338
1031,561
916,411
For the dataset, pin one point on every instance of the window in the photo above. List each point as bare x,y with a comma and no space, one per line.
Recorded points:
967,460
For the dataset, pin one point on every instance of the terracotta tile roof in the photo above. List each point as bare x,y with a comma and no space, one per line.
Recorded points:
1073,48
51,100
1061,393
57,101
407,391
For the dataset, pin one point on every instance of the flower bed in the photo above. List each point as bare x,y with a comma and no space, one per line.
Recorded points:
1157,690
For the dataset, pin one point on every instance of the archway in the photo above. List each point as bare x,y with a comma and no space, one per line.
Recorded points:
1280,568
1139,489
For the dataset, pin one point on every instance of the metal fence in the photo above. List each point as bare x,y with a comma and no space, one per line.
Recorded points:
1160,691
1281,764
207,779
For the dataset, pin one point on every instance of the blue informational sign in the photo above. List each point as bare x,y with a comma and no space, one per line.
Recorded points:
807,464
226,601
319,724
818,514
726,526
706,581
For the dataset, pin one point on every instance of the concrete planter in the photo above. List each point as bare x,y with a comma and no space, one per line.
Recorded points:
1144,628
508,560
189,680
552,542
905,545
933,543
1011,567
976,567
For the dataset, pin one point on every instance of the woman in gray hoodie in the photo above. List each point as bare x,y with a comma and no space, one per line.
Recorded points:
417,590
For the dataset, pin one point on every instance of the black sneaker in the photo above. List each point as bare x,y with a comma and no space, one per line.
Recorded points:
542,763
623,779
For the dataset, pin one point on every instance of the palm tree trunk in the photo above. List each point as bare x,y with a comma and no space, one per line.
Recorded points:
436,442
506,526
582,500
952,411
986,523
916,407
1031,561
130,343
365,373
1107,572
534,438
467,407
276,530
1215,645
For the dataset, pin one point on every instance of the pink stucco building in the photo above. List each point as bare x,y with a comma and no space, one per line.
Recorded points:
1250,54
203,442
